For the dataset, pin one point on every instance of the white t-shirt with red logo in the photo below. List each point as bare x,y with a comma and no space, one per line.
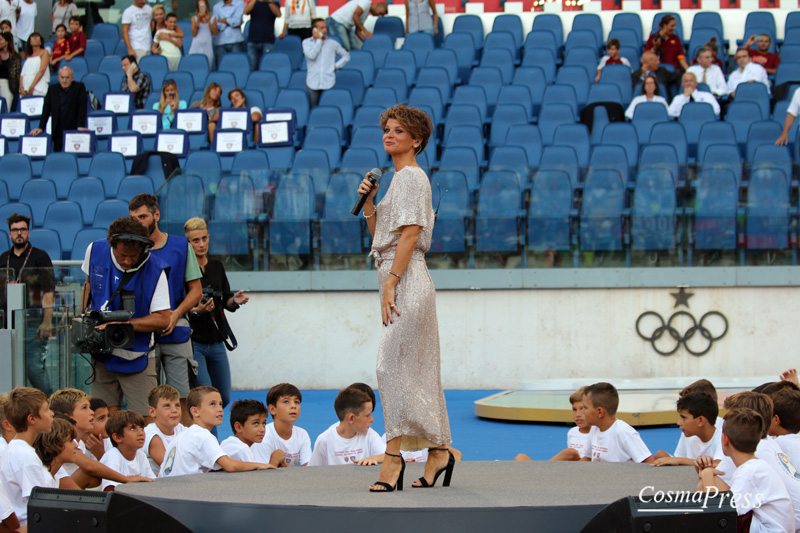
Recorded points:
577,440
331,449
618,444
297,449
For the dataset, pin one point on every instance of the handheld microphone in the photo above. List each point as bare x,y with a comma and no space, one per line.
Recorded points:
373,176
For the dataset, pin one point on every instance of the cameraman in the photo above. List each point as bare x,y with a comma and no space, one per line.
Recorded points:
667,45
124,256
209,328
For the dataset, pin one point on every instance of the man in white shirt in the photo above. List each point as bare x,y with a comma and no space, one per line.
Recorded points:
691,94
791,114
321,55
707,72
347,22
136,29
748,72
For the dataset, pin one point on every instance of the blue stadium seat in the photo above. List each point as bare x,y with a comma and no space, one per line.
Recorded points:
576,77
297,100
577,136
278,64
206,165
767,211
65,218
87,193
327,117
234,207
769,156
402,60
420,44
79,66
467,137
759,22
316,163
715,211
653,213
133,185
543,59
472,95
542,40
528,138
550,22
238,65
551,117
437,78
108,211
197,66
62,169
693,116
472,25
441,58
611,157
761,132
602,212
78,248
98,84
741,115
490,79
156,67
629,21
501,59
266,83
463,46
512,24
754,92
367,116
359,160
633,56
16,170
510,158
111,66
582,39
550,212
47,240
280,157
787,72
584,57
789,51
589,21
661,158
674,134
292,46
715,133
516,95
625,36
722,157
182,198
250,160
186,26
382,97
39,194
564,159
625,135
605,92
792,20
340,232
451,199
352,81
109,167
364,63
621,76
328,140
290,224
560,94
391,26
463,160
371,137
499,216
394,79
341,100
430,97
108,34
505,41
379,46
462,115
3,193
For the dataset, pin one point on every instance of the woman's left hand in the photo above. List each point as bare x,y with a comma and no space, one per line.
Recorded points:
388,305
240,298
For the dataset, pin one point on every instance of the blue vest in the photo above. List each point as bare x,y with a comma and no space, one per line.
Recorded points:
174,254
104,277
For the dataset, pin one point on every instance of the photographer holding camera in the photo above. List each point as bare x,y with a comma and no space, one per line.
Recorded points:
210,329
121,275
667,45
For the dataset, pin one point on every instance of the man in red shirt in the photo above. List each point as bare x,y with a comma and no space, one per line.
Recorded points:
667,45
76,38
762,55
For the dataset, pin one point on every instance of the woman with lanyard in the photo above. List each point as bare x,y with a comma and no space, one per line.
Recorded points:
298,15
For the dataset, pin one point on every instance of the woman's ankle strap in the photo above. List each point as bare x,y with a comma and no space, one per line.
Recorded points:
437,449
394,454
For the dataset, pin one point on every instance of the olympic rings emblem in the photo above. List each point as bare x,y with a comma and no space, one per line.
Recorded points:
684,338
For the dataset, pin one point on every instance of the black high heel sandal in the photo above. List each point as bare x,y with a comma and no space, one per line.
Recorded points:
399,484
448,472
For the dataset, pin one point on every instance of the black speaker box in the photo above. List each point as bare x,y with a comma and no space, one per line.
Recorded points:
632,514
79,511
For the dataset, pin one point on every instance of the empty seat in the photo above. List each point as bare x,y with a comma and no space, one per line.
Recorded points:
391,26
564,159
463,160
234,207
109,167
661,158
420,44
715,210
693,116
16,170
610,157
500,59
761,132
359,160
528,138
499,214
625,135
767,211
182,198
673,134
503,40
133,185
266,83
363,62
463,45
451,199
757,93
512,158
591,22
340,231
741,115
602,210
543,59
352,81
62,169
65,218
551,117
379,46
316,164
551,23
88,193
549,212
653,220
108,211
47,240
39,194
722,157
290,224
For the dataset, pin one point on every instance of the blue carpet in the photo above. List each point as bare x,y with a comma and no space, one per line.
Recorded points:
478,439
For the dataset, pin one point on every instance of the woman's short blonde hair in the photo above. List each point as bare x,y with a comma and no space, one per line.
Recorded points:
416,121
194,224
158,7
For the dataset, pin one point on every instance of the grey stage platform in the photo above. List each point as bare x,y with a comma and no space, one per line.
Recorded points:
494,496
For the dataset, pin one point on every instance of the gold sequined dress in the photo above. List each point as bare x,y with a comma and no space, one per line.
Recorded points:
409,368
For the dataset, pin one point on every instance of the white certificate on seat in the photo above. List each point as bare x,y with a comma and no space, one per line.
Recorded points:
78,143
102,126
277,117
234,120
32,106
170,142
12,127
34,146
145,124
191,122
274,132
229,143
118,103
125,145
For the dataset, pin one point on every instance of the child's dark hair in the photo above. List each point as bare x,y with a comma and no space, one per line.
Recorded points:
61,26
49,445
701,385
743,427
699,404
772,387
119,421
97,403
350,401
757,401
363,387
22,402
604,395
282,389
614,43
241,410
786,404
76,18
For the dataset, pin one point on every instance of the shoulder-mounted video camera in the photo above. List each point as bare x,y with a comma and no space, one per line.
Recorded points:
88,339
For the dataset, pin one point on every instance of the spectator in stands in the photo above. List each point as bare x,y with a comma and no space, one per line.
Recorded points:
611,58
136,30
204,27
261,36
650,93
297,17
32,266
211,103
77,39
691,94
791,114
35,75
167,42
209,332
650,66
65,104
60,47
239,100
10,67
748,72
229,27
320,54
762,55
62,11
667,45
8,14
26,20
712,45
169,102
158,20
421,15
135,81
347,22
707,72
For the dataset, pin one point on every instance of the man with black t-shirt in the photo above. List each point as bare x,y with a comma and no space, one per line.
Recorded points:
32,266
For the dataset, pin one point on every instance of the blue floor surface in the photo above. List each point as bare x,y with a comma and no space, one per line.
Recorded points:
478,439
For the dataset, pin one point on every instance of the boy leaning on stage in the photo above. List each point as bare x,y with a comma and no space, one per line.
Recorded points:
126,430
577,438
757,489
611,440
284,444
248,421
786,423
697,413
196,450
164,406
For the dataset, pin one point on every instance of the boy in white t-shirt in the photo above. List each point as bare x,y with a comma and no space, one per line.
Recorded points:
348,442
6,431
284,443
127,435
757,489
21,469
697,413
97,442
612,440
248,421
196,450
57,448
786,423
164,405
577,437
8,518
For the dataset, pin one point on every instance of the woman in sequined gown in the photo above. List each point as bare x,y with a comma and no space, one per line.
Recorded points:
408,368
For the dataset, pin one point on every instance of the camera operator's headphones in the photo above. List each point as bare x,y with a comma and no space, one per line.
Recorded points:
148,244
